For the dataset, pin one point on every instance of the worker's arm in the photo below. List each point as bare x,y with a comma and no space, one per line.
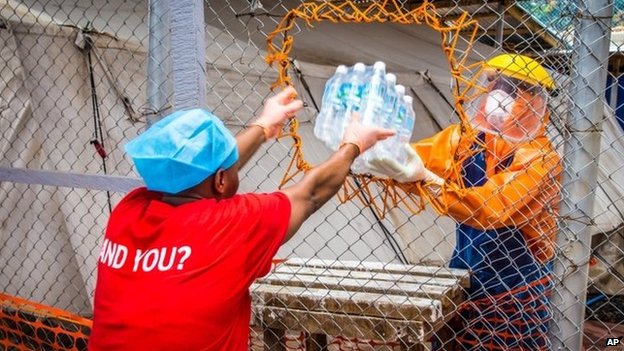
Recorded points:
322,182
507,199
436,150
276,111
424,159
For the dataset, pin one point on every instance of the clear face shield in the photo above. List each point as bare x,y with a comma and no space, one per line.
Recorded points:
507,107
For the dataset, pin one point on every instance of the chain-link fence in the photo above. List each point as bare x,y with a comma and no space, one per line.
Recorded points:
78,79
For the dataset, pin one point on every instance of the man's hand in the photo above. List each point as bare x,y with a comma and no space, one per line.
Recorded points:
277,110
322,182
413,171
364,137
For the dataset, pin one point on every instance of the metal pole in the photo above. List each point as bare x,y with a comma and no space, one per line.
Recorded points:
500,24
159,85
581,151
188,53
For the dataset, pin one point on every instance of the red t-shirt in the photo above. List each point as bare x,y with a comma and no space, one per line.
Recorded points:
178,277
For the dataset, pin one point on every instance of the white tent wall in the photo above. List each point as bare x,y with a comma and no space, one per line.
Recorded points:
608,215
609,206
49,237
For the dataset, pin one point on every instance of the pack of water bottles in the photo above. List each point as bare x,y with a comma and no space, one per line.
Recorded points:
379,101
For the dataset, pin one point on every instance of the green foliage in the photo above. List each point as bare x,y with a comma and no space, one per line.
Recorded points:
557,14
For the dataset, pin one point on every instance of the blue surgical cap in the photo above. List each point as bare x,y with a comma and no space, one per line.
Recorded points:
182,150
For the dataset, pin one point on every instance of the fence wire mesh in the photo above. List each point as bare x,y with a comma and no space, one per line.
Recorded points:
74,89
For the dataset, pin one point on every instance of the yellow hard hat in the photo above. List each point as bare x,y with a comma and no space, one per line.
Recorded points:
523,68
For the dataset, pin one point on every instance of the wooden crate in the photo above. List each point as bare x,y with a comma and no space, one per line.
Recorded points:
367,300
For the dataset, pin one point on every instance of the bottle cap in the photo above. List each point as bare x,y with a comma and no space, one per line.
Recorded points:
359,67
391,78
379,66
399,89
342,69
408,99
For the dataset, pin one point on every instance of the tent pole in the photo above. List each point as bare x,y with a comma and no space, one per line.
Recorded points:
581,151
159,86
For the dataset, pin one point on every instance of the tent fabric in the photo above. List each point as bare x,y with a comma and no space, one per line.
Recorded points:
50,237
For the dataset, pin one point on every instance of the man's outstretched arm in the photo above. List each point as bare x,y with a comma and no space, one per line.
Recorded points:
322,182
276,111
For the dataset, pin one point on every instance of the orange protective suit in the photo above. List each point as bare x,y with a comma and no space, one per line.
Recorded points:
504,197
525,195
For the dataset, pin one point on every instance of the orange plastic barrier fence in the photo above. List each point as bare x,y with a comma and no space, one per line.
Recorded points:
25,325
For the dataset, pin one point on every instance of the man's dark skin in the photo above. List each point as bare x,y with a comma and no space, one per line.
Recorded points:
317,186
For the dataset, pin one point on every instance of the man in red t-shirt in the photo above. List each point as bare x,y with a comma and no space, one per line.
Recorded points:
178,257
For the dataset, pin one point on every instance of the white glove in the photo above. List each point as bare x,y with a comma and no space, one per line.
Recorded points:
413,171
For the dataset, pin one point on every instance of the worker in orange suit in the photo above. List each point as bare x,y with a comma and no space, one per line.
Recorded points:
504,199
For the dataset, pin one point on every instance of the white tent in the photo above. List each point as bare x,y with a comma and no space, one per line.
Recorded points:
49,237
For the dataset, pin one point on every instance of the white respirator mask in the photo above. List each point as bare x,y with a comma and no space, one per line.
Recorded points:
507,107
498,108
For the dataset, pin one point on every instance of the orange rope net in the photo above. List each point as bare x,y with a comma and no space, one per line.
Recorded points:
392,193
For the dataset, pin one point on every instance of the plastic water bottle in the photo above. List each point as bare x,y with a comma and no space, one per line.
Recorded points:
351,92
379,101
399,112
328,117
400,93
385,147
388,148
389,100
399,115
407,128
375,95
404,124
373,107
410,119
359,89
384,118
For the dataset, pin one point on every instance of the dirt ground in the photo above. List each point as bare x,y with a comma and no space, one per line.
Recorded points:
604,319
596,334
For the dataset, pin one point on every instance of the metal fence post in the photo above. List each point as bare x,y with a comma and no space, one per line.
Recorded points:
188,51
159,85
581,152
